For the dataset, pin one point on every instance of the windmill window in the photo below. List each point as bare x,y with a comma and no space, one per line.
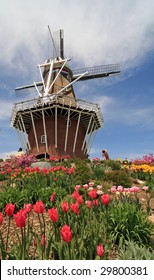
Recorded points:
43,139
69,123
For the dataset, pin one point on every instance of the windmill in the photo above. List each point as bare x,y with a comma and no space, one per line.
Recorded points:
56,122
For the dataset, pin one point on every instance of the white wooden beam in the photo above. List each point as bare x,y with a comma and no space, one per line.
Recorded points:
35,135
90,134
47,89
22,135
76,133
37,89
20,138
63,89
56,127
29,147
45,132
67,127
93,136
59,73
87,132
41,77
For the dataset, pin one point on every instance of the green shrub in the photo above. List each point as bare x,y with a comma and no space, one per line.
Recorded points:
82,171
13,195
2,177
113,164
127,221
132,251
98,172
119,177
34,187
105,186
140,175
150,181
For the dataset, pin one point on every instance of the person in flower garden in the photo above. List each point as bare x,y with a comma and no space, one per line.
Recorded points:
105,154
20,152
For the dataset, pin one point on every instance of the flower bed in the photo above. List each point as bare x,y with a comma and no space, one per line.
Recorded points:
49,214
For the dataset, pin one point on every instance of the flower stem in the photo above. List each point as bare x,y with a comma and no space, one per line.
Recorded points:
8,232
22,243
107,216
69,249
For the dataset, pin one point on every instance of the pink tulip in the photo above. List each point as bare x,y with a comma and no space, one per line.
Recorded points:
91,184
99,187
145,188
89,204
134,189
120,189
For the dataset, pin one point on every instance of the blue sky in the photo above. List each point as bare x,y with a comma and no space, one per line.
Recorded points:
96,33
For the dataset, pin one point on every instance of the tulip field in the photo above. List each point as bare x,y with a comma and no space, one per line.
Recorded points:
76,209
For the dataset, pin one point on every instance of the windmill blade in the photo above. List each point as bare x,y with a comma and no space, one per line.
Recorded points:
79,75
58,39
97,72
28,89
28,86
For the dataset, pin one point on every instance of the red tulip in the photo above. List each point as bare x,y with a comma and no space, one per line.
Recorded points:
35,243
63,168
52,197
53,213
79,199
92,193
100,250
70,171
9,170
20,218
1,218
75,194
95,202
66,233
89,204
42,240
9,209
75,208
65,206
38,207
105,199
27,207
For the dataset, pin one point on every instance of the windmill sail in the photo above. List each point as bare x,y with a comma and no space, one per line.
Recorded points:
58,38
77,75
97,71
92,73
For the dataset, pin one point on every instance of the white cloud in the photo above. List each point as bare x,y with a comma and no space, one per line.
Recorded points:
95,33
7,154
95,151
120,111
100,33
5,109
103,101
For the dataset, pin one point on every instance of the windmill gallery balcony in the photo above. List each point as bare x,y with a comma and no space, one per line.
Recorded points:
58,119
